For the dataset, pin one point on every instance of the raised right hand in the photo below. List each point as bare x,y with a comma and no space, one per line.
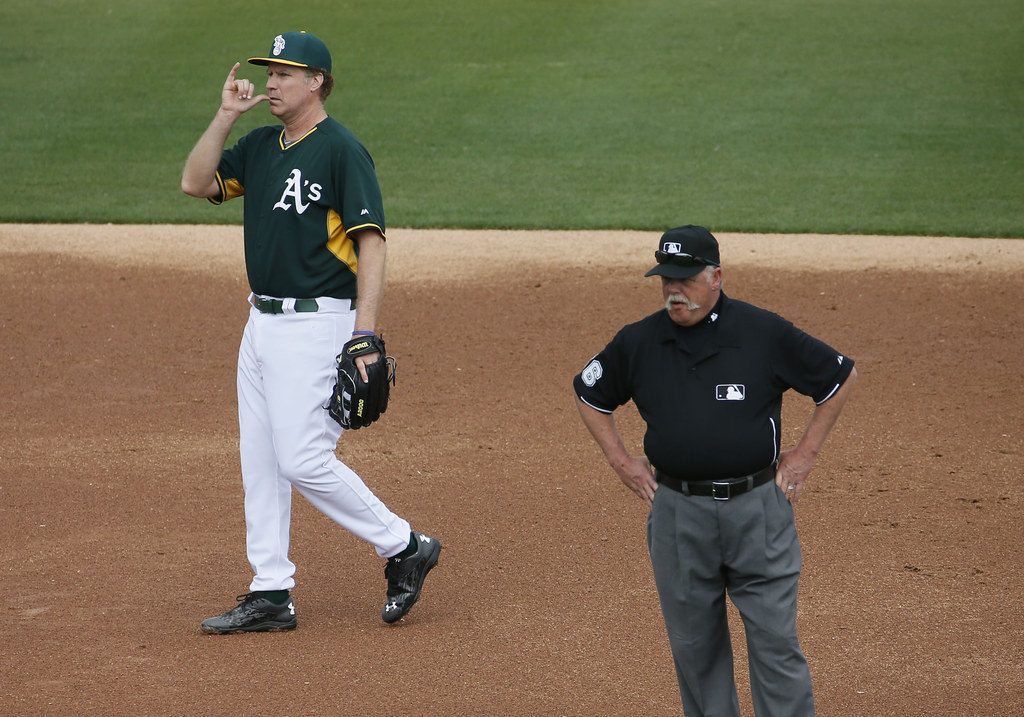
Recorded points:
237,95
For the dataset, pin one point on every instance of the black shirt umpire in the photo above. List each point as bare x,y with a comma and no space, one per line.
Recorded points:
707,374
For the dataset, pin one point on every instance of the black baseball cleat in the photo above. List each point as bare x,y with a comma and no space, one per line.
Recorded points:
406,575
253,614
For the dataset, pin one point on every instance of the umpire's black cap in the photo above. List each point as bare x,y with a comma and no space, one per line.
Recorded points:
685,251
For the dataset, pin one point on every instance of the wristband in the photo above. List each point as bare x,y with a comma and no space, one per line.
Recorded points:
363,333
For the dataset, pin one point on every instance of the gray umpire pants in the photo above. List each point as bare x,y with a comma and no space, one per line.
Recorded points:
701,549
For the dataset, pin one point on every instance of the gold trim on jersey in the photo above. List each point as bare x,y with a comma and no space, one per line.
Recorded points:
232,188
280,139
339,243
228,190
368,225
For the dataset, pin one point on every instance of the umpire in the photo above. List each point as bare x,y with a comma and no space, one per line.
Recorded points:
707,375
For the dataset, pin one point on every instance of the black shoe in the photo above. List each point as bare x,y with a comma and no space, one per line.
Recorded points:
253,614
406,575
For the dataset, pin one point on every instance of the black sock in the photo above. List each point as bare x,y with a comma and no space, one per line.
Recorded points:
278,597
413,545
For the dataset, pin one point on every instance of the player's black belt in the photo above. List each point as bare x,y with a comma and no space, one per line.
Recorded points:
717,489
276,306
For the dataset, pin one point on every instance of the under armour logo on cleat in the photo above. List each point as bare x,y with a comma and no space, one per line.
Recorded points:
391,606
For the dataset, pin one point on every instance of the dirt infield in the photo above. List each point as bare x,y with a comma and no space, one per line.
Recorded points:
120,496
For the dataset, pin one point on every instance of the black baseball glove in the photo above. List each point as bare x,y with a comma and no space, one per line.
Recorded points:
356,403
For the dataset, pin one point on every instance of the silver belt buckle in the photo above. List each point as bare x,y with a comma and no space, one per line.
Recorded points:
721,490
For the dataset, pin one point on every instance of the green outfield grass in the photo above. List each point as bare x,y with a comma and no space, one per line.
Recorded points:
838,116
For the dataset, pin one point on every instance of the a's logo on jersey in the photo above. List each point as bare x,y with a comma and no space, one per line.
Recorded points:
592,373
278,45
293,191
730,392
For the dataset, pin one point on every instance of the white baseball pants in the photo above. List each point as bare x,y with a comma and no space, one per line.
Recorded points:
286,370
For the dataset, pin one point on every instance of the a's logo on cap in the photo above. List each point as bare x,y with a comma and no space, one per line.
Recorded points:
673,247
278,45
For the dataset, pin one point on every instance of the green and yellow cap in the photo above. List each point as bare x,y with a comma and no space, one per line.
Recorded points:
299,49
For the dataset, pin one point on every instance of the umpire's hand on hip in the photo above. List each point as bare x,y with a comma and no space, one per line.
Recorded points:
792,472
635,472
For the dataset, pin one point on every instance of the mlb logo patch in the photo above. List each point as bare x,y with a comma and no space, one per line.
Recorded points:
730,392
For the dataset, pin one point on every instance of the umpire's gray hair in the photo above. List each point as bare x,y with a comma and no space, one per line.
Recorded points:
709,271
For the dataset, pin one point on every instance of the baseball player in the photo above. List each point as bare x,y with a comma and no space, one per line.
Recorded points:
314,245
707,374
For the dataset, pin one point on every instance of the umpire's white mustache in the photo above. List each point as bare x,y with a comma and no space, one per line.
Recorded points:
680,299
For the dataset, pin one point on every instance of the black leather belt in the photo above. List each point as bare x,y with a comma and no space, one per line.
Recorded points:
717,489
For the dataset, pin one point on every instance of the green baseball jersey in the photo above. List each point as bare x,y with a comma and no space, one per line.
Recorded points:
302,204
